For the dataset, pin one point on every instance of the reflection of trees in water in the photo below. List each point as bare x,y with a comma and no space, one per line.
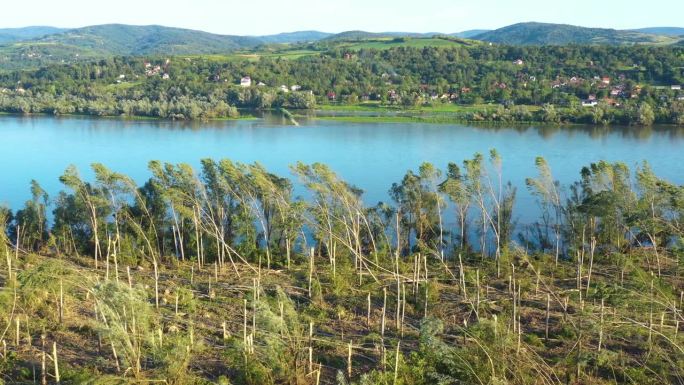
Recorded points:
599,132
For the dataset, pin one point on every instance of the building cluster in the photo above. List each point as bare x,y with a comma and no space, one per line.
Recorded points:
158,70
246,81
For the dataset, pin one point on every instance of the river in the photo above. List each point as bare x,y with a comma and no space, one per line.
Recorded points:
369,155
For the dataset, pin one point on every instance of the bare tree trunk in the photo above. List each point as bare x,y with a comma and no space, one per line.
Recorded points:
349,360
54,359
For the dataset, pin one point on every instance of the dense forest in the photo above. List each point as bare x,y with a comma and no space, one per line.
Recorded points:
222,275
570,84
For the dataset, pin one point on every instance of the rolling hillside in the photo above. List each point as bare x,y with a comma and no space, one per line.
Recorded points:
294,37
117,39
469,34
559,34
364,35
665,31
33,47
10,35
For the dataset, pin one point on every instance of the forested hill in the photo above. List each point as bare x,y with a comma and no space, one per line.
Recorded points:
362,35
668,31
34,47
294,37
9,35
560,34
118,39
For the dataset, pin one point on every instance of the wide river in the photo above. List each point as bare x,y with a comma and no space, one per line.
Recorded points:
369,155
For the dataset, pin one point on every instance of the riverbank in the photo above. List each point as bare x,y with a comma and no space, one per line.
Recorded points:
447,113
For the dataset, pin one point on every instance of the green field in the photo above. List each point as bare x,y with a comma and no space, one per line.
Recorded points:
387,43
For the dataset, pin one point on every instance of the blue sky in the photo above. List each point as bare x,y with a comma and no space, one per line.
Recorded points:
272,16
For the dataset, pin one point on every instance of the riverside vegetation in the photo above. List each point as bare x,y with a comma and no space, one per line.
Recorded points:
223,276
467,81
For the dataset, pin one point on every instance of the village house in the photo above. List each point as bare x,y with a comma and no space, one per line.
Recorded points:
246,81
152,70
165,76
605,80
295,87
332,95
518,62
284,88
589,103
261,84
611,102
676,87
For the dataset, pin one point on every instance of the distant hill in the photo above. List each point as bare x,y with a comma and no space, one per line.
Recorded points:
10,35
294,37
119,39
665,31
363,35
469,33
32,47
558,34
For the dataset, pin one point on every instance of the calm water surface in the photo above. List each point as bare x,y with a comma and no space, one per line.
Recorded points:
369,155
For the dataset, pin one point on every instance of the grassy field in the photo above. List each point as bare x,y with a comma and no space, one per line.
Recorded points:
387,43
434,108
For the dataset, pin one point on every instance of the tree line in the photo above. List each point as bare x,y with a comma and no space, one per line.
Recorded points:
229,212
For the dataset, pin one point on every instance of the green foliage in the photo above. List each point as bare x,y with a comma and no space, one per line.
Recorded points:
560,34
478,81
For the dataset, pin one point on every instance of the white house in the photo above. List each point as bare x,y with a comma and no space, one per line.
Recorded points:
246,81
676,87
296,87
284,88
589,103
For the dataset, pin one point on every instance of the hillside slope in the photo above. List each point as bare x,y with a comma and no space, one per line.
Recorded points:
10,35
666,31
294,37
559,34
119,39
